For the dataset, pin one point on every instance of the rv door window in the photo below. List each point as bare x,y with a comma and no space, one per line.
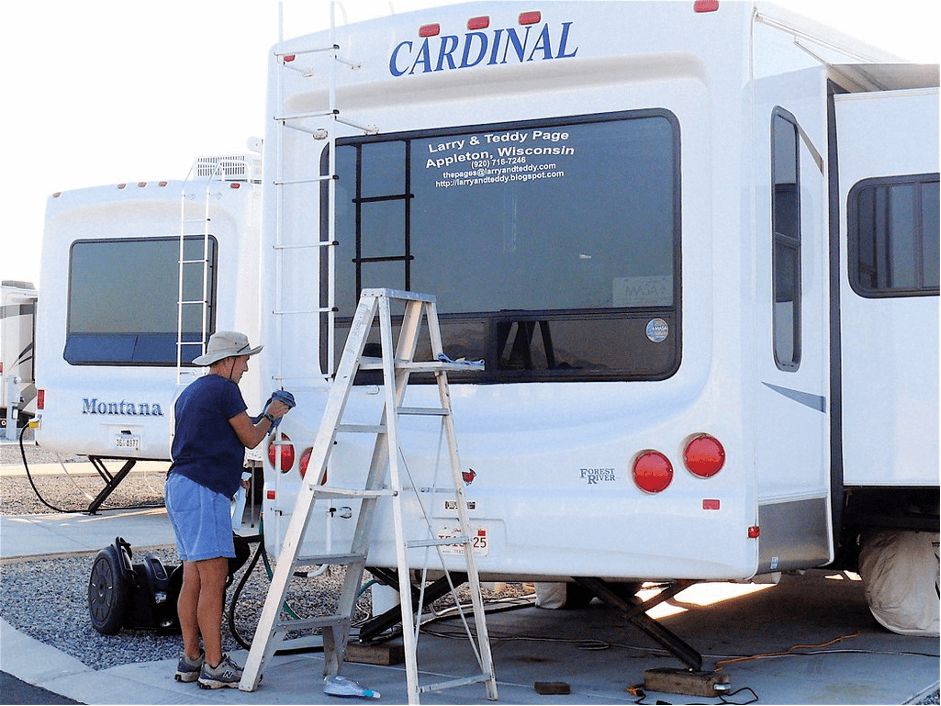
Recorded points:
123,294
893,236
786,229
551,246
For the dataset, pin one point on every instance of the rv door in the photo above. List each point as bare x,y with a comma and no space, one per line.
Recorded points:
888,177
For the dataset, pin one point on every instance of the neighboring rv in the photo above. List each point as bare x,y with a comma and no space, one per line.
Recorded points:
17,332
695,243
138,276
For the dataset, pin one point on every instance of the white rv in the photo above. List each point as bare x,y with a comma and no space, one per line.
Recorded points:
695,243
138,275
17,331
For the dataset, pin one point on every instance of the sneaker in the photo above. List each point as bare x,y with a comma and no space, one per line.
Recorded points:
187,669
227,673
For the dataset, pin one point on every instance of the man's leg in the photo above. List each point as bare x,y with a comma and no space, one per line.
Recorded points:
186,608
212,576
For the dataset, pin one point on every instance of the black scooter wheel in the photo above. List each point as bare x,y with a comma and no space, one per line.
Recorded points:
108,592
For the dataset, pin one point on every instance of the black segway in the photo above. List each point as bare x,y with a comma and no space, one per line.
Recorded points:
141,596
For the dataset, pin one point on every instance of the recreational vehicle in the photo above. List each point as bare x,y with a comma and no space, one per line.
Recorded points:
694,243
138,275
17,331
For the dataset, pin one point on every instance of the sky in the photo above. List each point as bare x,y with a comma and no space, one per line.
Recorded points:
108,91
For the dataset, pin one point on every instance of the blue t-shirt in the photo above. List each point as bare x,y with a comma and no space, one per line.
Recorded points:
206,448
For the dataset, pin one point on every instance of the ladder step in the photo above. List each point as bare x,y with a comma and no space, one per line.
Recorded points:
341,492
362,428
321,621
439,542
440,686
424,411
418,366
329,559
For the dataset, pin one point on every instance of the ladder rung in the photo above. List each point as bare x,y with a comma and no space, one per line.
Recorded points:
312,50
476,679
311,180
340,492
304,116
321,621
439,542
320,244
322,310
197,220
194,262
424,411
362,428
329,559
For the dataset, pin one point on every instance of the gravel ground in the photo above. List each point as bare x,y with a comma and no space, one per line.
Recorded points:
47,599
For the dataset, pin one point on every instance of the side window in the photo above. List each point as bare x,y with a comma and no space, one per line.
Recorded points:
892,226
123,295
786,246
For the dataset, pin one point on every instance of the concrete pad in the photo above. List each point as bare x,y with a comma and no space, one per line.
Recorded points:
801,642
38,535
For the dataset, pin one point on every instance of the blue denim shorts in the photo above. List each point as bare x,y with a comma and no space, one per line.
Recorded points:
201,519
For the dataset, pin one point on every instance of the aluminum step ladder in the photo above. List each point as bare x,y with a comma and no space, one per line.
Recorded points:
397,363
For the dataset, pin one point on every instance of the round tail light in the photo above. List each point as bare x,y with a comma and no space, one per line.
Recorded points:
704,456
287,453
653,472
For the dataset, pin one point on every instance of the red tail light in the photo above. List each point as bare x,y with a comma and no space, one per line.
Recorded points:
653,472
287,453
40,399
704,456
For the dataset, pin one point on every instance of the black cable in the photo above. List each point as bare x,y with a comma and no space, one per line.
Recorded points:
30,477
237,593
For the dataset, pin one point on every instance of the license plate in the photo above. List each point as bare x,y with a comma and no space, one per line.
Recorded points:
127,442
478,537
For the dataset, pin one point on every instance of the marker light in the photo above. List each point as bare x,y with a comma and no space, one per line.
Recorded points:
704,456
287,453
429,30
40,399
234,185
478,23
706,5
754,532
289,58
653,472
530,18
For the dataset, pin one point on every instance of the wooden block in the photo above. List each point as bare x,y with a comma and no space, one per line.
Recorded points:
684,681
552,687
386,653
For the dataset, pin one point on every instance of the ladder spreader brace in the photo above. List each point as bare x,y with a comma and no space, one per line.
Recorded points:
383,480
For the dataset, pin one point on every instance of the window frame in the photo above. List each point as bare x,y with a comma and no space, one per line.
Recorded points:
210,314
793,242
491,318
853,234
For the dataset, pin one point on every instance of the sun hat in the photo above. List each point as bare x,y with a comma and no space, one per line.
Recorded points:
224,344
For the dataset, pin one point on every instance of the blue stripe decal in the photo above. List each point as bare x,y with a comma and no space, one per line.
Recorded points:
815,402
